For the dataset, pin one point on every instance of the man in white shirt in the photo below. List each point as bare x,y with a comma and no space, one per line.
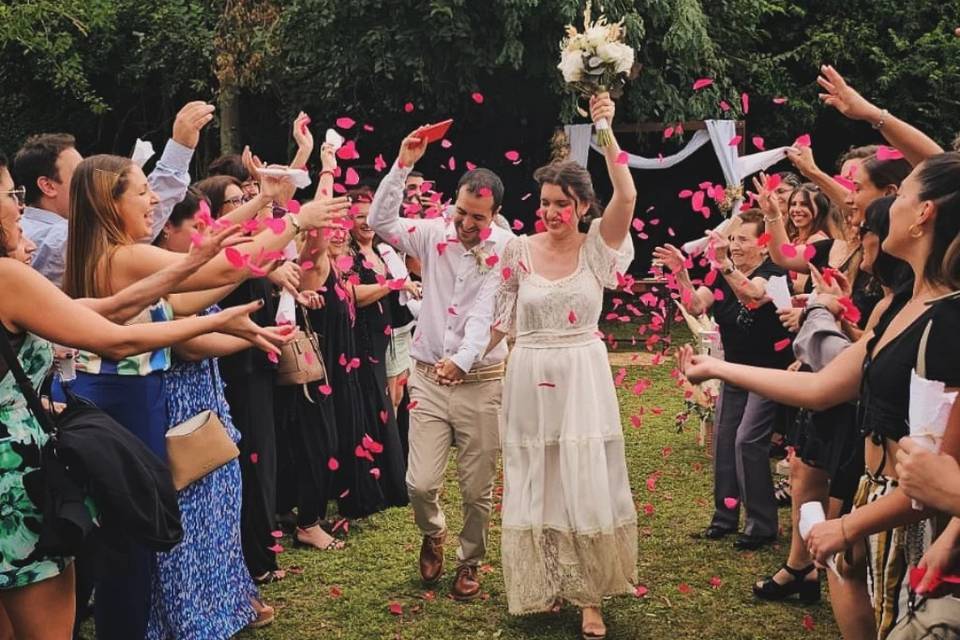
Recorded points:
44,167
455,389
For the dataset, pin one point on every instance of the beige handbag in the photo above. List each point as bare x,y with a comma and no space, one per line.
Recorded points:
197,447
301,360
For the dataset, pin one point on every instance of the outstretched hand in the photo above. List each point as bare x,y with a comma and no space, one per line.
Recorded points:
193,117
695,368
842,96
602,107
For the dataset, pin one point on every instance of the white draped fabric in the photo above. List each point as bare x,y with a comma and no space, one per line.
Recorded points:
718,132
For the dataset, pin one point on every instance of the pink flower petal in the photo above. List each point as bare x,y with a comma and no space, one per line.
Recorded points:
731,503
702,83
779,101
809,252
788,250
408,107
345,122
888,153
735,140
780,345
724,106
352,178
745,103
379,164
622,157
235,258
758,142
477,97
512,156
333,464
802,141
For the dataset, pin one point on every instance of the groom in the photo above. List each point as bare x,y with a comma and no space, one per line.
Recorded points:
455,389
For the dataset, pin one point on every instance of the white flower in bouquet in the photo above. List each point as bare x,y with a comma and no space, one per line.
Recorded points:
571,65
595,61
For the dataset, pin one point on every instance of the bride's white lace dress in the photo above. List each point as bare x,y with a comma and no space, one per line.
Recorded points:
569,523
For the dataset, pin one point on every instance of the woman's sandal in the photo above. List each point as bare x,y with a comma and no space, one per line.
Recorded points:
335,543
265,614
807,590
270,577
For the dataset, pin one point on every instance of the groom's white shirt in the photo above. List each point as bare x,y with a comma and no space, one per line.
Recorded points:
459,286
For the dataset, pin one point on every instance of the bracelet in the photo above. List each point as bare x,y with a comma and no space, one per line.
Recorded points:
779,216
884,114
297,227
843,532
326,172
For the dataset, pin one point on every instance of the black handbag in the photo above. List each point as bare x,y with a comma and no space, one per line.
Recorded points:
91,456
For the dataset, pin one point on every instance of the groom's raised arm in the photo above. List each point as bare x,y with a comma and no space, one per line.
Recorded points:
408,235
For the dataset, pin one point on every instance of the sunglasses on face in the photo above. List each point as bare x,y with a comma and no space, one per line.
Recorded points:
19,195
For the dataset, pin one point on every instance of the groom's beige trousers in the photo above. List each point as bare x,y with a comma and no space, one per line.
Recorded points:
466,416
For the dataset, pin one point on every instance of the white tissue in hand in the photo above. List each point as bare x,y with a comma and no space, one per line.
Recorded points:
929,410
299,177
334,139
779,292
142,151
811,513
928,414
286,309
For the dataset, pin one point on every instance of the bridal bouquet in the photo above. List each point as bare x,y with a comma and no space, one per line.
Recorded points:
595,61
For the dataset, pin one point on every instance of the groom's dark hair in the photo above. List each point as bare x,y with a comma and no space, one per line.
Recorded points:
476,180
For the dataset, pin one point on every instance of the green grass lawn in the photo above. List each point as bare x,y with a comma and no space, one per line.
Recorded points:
348,594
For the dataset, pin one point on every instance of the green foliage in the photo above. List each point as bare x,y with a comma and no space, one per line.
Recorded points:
110,69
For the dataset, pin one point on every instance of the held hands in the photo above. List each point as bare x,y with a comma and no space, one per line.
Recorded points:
236,322
411,150
671,257
602,107
843,97
932,479
193,117
448,373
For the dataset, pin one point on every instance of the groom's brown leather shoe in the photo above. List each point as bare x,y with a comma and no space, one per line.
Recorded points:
466,586
431,558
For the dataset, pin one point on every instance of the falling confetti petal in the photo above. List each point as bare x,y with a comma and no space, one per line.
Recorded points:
512,156
702,83
345,122
477,97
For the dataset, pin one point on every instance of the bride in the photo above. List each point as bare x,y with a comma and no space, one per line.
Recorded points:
569,524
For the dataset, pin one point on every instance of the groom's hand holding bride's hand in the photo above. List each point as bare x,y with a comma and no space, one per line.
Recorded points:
411,150
448,373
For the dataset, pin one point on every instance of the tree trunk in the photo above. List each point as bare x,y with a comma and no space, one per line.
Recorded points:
229,108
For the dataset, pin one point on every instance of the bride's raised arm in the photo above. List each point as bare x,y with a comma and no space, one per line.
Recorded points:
615,223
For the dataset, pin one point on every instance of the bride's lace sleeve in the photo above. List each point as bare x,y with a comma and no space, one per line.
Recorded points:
605,263
506,312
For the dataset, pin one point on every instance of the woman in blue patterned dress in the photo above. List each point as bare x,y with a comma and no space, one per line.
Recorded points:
201,588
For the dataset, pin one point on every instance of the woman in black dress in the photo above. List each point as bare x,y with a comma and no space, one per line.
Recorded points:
370,289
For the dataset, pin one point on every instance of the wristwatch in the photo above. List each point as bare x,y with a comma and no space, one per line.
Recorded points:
727,268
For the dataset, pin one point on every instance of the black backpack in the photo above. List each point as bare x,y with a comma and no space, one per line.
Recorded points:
90,455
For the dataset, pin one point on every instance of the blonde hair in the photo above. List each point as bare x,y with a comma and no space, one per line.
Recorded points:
96,227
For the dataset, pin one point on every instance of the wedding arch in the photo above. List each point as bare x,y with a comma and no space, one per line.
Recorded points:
720,133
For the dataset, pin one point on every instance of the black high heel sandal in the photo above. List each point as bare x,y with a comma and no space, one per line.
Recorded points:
807,590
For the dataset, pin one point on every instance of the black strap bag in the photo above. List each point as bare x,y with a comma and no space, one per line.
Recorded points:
90,455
